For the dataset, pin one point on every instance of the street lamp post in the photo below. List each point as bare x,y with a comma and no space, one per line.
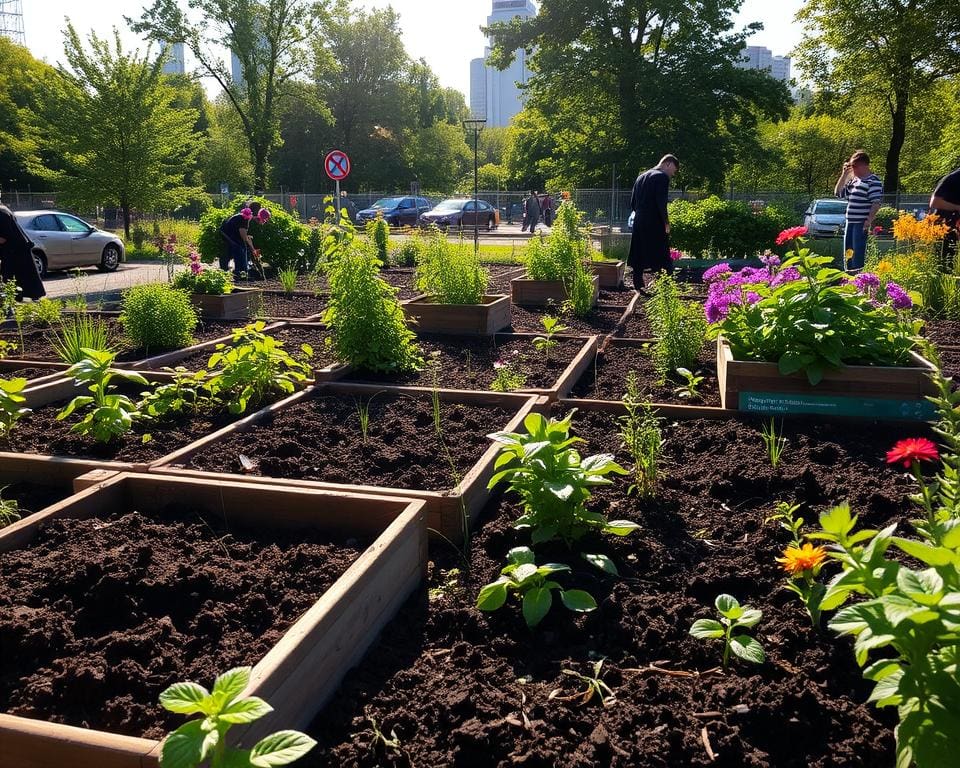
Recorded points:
476,123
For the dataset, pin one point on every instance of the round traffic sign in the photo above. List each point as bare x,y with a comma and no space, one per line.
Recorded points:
337,165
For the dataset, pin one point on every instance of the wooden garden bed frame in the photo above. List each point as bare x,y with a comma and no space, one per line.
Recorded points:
484,319
8,368
445,510
540,293
303,670
236,305
611,273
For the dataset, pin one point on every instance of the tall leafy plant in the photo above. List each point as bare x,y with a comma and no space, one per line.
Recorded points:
450,273
679,328
561,256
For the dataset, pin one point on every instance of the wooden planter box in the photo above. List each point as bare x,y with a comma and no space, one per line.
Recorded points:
479,319
540,293
860,391
611,273
445,509
302,671
236,305
9,366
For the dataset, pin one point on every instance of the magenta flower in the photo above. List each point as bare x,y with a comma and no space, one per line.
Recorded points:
753,297
499,364
866,281
770,259
719,272
899,298
675,255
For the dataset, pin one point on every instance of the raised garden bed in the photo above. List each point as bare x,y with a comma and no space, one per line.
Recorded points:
403,278
146,581
611,273
36,373
461,687
607,380
37,482
862,391
601,321
277,304
239,304
540,293
619,297
467,363
314,439
484,319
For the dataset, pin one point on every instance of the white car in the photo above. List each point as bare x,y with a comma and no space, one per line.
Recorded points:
826,218
62,241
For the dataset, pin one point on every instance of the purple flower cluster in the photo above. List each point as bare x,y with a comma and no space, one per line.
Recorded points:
729,288
866,281
770,260
719,272
870,285
899,298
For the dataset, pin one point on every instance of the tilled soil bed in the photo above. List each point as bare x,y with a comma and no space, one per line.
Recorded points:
32,497
296,305
28,372
602,320
608,380
320,439
98,616
467,362
950,362
465,688
637,325
292,336
37,345
619,296
943,332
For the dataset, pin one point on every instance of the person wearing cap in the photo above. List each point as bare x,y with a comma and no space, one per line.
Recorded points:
16,257
236,234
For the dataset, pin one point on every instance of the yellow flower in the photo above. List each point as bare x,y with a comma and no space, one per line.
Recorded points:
797,561
849,254
884,268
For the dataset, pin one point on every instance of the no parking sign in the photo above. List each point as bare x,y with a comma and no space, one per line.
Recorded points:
337,165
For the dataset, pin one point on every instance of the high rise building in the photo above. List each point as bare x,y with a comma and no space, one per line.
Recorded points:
236,69
175,63
759,57
495,94
11,21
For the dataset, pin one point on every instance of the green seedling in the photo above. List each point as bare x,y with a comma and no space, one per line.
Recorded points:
547,343
690,389
9,510
733,616
774,442
594,687
11,404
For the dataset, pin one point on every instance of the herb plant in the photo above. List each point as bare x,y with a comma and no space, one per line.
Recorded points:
733,616
641,435
11,404
288,280
507,378
546,342
534,585
205,739
679,327
774,442
156,316
187,392
44,311
78,333
363,415
109,415
553,481
690,389
9,510
451,274
378,232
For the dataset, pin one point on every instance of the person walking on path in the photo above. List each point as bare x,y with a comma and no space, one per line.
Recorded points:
863,191
236,233
650,242
16,258
945,203
533,212
547,205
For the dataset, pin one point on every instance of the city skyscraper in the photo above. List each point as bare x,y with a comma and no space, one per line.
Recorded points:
11,21
494,94
175,63
759,57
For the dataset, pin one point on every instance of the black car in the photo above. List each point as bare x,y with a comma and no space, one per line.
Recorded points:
396,211
462,213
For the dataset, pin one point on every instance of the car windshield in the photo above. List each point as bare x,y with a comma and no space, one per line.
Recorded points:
387,202
450,205
831,209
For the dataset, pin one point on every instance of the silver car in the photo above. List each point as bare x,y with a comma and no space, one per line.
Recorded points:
62,241
825,218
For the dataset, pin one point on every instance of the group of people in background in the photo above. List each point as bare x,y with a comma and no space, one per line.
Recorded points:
858,185
537,208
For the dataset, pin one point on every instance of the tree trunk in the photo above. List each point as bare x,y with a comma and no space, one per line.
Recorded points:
125,207
891,182
259,170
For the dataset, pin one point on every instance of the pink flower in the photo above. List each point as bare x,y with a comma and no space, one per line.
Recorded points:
499,364
247,214
878,231
791,234
264,216
675,255
196,267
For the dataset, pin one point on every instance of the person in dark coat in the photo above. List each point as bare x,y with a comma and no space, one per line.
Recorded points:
650,243
534,212
16,257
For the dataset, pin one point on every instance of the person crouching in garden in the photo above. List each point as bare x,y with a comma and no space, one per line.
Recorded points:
945,202
235,232
16,257
650,242
863,191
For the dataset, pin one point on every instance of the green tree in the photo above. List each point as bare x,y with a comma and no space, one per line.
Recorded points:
813,149
268,37
123,141
438,156
226,155
890,49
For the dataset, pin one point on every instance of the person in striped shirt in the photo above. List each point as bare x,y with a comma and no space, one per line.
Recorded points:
863,191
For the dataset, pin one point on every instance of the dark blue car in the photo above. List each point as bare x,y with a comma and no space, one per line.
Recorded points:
396,211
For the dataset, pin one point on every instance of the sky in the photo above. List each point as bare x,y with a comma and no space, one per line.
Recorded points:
444,32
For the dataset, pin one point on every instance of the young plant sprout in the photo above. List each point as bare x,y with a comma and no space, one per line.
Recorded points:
594,687
11,404
507,379
641,435
9,510
546,343
363,415
733,616
288,280
774,442
434,363
690,389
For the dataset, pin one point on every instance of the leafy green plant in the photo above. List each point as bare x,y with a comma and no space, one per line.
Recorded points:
690,389
109,415
785,514
595,687
252,366
641,435
451,274
534,585
7,348
11,404
507,378
733,616
207,281
44,311
78,333
773,441
368,328
679,327
378,232
9,291
9,510
561,256
407,253
288,280
363,416
157,316
187,392
553,481
724,229
205,739
282,240
546,342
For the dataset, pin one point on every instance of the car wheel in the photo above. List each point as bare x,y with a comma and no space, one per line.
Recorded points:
110,260
40,261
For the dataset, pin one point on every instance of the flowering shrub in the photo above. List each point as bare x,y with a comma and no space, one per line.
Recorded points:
806,316
279,235
199,279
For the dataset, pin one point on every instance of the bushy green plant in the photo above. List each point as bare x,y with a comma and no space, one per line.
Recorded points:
378,232
679,327
724,229
885,217
205,739
205,281
77,333
641,436
733,616
11,404
42,312
562,256
158,316
282,241
367,326
451,274
508,376
187,392
288,280
9,510
407,253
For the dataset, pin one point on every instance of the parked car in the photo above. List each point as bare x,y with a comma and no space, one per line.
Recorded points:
462,213
825,218
396,211
62,241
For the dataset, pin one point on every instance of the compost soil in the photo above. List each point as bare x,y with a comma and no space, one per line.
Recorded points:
463,688
636,326
943,332
320,439
32,497
98,616
467,362
602,320
607,379
295,305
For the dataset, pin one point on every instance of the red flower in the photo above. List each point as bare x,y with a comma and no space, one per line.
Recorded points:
878,230
791,234
912,449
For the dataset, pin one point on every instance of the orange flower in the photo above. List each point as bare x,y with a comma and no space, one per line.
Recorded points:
796,561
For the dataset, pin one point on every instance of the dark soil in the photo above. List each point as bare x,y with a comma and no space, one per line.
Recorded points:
637,326
320,439
296,305
98,616
40,432
28,372
467,362
943,332
36,343
292,336
32,497
619,297
609,380
455,684
950,363
602,320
